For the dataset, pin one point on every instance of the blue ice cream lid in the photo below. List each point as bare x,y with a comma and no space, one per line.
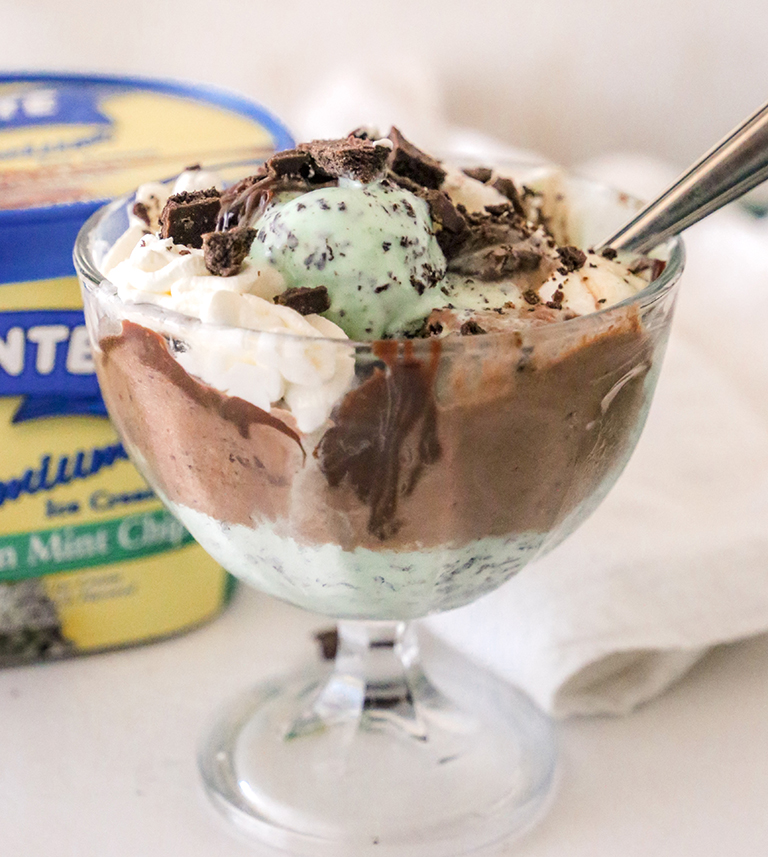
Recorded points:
68,143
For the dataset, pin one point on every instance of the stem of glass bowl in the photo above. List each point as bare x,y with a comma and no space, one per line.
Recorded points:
377,682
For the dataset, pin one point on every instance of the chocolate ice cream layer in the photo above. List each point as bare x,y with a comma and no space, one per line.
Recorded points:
434,445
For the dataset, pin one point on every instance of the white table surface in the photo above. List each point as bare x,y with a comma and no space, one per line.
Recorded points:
98,753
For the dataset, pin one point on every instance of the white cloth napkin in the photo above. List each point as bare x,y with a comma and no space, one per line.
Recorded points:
676,558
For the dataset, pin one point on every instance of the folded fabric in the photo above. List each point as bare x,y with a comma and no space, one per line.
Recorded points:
676,558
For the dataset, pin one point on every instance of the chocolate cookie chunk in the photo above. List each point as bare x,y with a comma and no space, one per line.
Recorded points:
142,212
297,164
572,258
188,216
506,187
481,174
451,229
305,301
224,252
406,160
350,157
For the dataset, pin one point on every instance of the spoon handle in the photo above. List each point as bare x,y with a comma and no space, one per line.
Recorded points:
734,166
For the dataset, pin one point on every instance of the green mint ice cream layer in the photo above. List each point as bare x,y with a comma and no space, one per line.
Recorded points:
371,246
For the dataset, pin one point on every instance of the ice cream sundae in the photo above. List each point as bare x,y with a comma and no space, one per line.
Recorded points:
370,382
376,385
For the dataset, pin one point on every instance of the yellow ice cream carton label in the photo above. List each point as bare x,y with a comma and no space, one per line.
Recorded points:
89,558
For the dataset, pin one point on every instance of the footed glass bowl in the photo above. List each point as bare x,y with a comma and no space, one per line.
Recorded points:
393,479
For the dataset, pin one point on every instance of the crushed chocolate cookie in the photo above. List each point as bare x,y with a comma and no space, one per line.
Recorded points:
451,229
499,209
404,182
188,216
305,301
297,164
224,252
506,187
557,299
350,157
530,297
609,253
406,160
142,212
496,225
480,174
470,328
572,258
498,262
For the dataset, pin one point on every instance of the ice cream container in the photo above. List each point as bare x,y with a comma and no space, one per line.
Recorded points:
89,557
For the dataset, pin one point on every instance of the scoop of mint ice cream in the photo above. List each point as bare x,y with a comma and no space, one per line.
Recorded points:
372,246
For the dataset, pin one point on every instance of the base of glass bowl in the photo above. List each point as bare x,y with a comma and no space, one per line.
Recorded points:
372,758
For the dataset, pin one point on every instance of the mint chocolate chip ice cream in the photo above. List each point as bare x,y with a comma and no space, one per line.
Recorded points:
372,247
374,384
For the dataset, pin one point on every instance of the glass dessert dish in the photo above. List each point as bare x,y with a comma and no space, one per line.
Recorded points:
442,467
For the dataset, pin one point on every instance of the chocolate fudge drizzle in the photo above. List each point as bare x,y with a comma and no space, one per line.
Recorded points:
152,351
385,433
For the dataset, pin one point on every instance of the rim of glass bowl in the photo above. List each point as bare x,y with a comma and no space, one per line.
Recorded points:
673,248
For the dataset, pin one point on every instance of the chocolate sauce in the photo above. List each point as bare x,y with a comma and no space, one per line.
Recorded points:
385,433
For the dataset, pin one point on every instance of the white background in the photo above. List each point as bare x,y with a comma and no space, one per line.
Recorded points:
571,78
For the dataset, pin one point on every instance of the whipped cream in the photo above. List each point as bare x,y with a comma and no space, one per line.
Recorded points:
288,357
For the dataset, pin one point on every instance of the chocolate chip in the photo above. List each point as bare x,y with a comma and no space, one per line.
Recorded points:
305,301
480,174
530,297
572,258
609,253
224,252
471,328
406,160
187,216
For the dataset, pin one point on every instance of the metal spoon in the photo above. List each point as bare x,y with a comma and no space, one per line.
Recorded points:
734,166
